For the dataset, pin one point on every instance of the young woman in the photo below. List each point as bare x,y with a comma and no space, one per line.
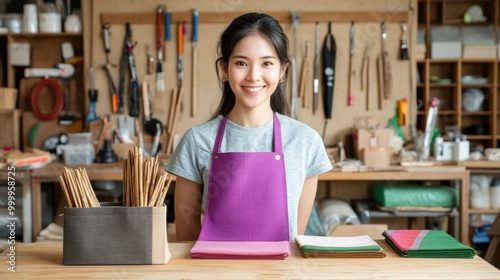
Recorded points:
251,169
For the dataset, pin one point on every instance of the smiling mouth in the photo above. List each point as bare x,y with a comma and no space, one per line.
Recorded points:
253,89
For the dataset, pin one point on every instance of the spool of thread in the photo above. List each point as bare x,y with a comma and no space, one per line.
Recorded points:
30,18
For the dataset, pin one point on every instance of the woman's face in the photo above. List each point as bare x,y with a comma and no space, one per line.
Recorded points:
253,72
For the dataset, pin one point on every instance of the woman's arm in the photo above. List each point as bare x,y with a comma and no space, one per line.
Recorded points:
306,203
187,204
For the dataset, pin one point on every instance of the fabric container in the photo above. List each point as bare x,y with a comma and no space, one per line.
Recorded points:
115,235
415,195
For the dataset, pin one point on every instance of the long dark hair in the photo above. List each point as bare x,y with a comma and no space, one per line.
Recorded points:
241,27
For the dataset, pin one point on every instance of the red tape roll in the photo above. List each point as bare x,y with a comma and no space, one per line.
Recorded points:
58,95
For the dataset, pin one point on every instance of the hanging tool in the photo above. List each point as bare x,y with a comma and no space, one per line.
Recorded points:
403,117
111,84
350,80
178,92
61,70
329,59
160,81
93,94
167,33
175,95
403,55
150,67
316,70
134,85
293,61
365,73
380,81
195,63
304,73
150,123
386,64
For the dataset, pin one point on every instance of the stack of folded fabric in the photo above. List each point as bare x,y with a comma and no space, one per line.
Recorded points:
339,247
427,244
278,250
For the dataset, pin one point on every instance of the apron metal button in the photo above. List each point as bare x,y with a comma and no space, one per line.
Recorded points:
216,156
277,157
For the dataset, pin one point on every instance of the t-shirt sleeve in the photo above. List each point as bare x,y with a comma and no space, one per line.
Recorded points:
184,162
318,160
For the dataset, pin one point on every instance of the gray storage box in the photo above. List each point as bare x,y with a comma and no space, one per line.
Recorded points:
114,234
446,42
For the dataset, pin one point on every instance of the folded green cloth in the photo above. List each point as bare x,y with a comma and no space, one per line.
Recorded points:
339,247
427,244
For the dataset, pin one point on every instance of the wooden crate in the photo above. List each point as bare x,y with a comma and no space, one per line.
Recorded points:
10,127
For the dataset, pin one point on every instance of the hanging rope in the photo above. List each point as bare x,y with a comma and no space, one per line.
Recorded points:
58,96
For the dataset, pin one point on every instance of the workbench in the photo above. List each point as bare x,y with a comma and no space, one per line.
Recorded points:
44,261
113,172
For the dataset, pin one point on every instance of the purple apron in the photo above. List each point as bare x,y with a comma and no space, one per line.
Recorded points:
247,198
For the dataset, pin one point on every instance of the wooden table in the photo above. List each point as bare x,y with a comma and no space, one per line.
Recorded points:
113,172
44,261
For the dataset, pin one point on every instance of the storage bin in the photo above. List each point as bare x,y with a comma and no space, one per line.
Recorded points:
405,195
78,154
446,42
80,138
113,234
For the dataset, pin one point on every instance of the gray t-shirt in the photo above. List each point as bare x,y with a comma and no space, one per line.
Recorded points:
303,150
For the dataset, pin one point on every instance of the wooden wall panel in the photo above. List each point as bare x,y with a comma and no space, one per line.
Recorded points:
208,90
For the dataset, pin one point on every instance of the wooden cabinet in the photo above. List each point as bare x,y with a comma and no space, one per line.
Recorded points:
460,83
45,52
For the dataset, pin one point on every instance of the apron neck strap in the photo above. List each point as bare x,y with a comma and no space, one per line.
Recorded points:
276,135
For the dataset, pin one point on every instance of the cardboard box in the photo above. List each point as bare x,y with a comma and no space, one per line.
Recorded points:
420,51
114,234
376,157
488,52
372,138
374,231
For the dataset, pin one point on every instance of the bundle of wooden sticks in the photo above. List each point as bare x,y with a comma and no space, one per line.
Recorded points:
144,184
76,187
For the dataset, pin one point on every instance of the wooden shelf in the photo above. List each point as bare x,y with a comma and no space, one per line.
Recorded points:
480,113
450,13
477,85
282,17
438,85
479,137
42,35
483,211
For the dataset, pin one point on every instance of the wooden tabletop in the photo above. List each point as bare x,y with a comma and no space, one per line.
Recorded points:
44,261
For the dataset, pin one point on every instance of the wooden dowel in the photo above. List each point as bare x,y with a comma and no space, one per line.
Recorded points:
160,201
65,191
73,187
81,188
94,199
158,189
